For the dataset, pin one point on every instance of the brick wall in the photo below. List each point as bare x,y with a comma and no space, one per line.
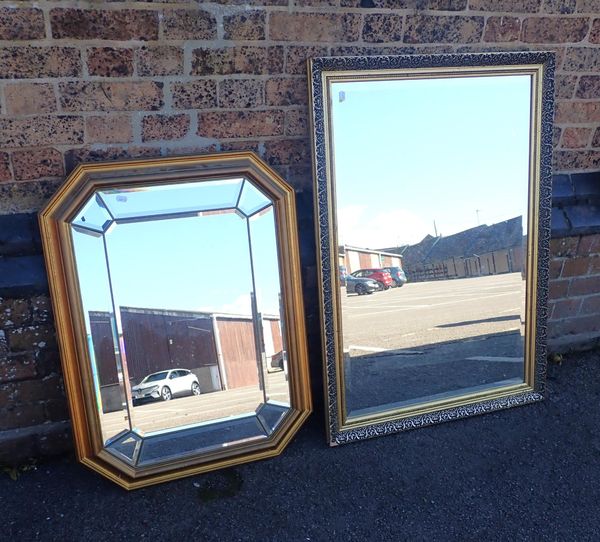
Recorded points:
85,81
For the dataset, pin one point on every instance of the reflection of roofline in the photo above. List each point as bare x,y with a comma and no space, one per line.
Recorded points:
196,314
370,250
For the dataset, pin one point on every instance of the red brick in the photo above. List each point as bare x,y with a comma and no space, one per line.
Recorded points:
555,268
41,309
110,62
56,410
556,132
441,29
554,29
89,24
237,60
243,145
29,62
192,149
382,28
589,87
248,25
183,24
241,93
29,98
162,60
237,124
108,129
576,138
559,288
576,160
566,308
502,29
562,7
287,151
286,91
37,163
588,245
315,27
21,415
296,122
5,173
588,6
594,36
19,367
577,112
297,56
111,96
594,265
591,305
584,285
33,131
575,267
582,59
564,86
523,6
30,338
74,157
596,138
21,24
14,313
194,95
165,127
564,247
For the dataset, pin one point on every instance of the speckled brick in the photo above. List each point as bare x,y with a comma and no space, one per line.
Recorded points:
110,61
118,25
296,122
594,36
297,56
73,157
576,138
286,91
17,367
241,93
444,5
108,129
253,2
21,24
502,29
582,59
161,60
29,98
564,86
382,28
287,151
28,338
5,173
561,7
248,25
556,133
576,160
577,112
517,6
237,124
165,127
237,60
243,145
588,6
554,29
194,95
596,138
111,96
325,27
194,24
588,87
37,163
440,29
29,62
32,131
29,197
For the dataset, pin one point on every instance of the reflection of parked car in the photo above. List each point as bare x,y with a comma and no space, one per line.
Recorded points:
398,276
383,278
360,286
165,384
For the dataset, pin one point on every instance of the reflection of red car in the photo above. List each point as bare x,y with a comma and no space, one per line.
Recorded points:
382,277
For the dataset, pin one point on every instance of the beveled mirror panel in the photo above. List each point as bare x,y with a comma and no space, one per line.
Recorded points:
182,275
433,200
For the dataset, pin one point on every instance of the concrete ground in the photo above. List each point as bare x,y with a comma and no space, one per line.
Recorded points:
529,473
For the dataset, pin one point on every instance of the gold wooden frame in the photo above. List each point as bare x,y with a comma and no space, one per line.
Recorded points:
68,312
322,73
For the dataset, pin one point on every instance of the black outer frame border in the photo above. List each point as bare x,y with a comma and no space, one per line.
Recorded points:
323,226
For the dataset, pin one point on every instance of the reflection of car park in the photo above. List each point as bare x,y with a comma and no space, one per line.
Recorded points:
360,286
383,278
166,384
398,276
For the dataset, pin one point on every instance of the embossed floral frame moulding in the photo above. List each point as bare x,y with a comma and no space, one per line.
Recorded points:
322,71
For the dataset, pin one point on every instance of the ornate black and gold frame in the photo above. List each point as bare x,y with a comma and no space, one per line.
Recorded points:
322,72
84,184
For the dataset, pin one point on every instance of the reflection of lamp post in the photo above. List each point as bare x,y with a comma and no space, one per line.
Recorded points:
477,212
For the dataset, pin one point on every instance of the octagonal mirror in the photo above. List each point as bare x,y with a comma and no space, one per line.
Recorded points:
176,292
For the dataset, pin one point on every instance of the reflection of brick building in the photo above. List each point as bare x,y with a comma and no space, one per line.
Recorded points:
484,250
354,258
219,349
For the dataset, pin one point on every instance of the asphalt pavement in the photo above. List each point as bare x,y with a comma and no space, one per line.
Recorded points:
529,473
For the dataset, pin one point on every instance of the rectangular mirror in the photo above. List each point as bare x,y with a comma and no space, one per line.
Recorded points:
433,205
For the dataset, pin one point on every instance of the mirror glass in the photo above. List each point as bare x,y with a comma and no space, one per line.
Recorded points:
432,211
180,290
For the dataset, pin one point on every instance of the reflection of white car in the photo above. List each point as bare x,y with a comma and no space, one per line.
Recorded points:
165,384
